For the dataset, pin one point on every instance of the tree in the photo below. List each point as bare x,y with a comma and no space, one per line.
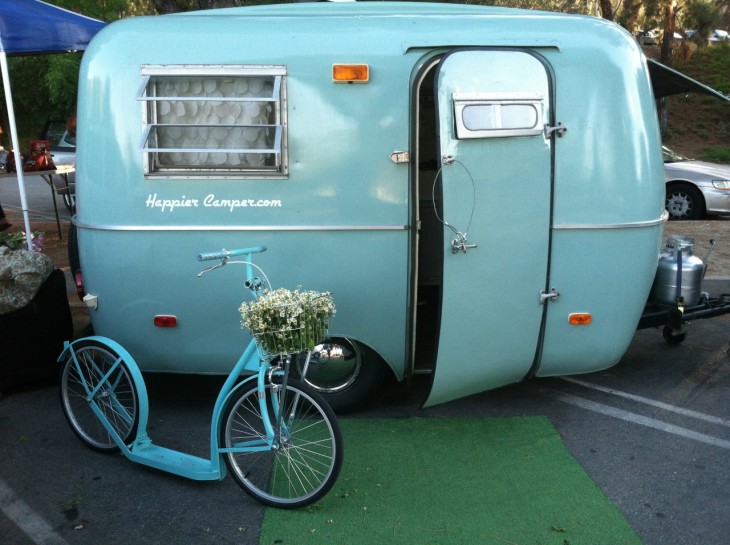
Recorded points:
45,86
629,15
607,11
703,16
175,6
50,82
670,11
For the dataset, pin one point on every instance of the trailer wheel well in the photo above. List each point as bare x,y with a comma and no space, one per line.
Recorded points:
345,372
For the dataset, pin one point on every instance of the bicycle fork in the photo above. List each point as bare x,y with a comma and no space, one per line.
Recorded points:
278,438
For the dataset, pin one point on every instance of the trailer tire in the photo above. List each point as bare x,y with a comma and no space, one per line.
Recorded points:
346,379
69,201
671,337
73,249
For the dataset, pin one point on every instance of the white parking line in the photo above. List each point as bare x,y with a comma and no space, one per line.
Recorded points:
628,416
651,402
29,522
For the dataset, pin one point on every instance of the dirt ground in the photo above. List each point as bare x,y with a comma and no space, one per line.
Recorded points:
704,231
696,121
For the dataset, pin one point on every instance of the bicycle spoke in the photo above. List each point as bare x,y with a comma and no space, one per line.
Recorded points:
95,374
305,454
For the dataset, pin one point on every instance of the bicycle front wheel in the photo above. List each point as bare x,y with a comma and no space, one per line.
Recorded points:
306,456
88,379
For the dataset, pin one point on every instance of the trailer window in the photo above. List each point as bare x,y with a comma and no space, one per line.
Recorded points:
484,115
225,121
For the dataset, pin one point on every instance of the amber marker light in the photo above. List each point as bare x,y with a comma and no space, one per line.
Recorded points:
350,73
163,320
580,318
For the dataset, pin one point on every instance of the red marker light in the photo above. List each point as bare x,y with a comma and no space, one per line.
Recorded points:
165,321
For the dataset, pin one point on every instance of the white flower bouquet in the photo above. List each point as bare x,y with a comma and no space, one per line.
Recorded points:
285,321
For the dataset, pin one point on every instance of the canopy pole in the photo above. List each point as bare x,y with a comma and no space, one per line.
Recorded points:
16,147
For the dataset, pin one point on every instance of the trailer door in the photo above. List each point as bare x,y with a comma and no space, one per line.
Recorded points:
493,106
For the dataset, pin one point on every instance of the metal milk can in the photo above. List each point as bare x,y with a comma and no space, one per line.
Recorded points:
679,273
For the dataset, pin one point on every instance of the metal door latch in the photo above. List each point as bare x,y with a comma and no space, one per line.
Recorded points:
552,295
558,129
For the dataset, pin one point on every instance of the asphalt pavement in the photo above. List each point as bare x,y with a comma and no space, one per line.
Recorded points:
38,197
653,432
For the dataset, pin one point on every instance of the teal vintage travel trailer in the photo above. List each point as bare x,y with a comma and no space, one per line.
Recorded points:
481,189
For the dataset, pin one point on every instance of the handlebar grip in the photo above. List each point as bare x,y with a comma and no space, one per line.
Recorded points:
211,256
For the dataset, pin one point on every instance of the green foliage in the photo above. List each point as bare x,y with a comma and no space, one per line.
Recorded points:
711,66
18,241
699,116
104,10
45,86
62,81
703,16
561,6
716,155
31,99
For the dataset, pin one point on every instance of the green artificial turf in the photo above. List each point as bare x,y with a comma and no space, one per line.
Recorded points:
422,481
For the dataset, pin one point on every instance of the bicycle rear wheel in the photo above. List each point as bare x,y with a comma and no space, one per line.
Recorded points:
306,458
115,395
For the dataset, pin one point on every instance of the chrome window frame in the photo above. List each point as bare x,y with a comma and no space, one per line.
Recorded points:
150,125
462,101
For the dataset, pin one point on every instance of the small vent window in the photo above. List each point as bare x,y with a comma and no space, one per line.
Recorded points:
481,115
214,121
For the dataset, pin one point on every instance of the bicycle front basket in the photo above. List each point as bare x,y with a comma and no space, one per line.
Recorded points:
297,325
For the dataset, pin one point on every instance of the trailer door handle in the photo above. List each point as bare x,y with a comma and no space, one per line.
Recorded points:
400,157
460,246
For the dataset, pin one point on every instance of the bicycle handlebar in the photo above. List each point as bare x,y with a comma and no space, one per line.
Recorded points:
223,254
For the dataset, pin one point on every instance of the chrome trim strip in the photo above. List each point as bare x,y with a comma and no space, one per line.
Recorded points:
632,225
178,228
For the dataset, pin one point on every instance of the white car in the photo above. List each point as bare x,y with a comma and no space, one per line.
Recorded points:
648,37
695,188
716,37
719,36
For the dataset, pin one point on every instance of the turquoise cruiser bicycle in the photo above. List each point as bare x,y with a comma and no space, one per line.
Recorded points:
279,439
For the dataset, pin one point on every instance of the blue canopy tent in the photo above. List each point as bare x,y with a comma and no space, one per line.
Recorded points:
32,27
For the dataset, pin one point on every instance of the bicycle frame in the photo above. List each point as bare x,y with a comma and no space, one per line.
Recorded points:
141,449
